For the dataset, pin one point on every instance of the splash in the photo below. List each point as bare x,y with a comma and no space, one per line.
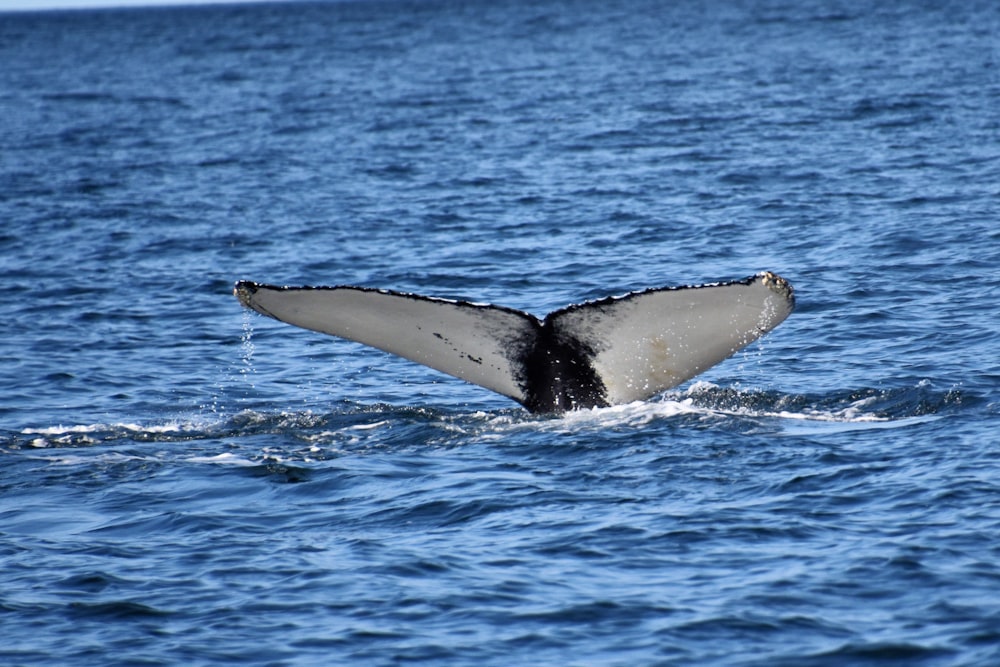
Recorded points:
247,370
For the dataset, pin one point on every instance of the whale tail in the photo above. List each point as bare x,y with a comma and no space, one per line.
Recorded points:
595,354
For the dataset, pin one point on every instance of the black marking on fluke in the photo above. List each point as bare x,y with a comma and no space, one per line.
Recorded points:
594,354
558,374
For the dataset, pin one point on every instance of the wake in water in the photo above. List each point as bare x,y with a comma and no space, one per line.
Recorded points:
355,425
867,405
755,410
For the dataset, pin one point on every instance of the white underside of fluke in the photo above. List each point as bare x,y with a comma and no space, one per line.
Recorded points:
630,347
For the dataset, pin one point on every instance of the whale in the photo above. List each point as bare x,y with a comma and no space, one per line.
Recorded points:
600,353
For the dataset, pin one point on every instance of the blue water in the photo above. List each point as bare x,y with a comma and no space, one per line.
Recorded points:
182,482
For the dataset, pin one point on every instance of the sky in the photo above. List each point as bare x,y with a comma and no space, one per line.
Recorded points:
6,5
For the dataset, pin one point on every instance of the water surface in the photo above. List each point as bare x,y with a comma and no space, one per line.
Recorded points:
183,482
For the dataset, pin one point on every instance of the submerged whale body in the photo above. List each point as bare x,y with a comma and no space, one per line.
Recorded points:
595,354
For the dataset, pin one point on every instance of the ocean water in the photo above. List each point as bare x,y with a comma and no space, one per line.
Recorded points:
182,482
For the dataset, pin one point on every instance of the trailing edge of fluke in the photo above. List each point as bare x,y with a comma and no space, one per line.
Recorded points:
595,354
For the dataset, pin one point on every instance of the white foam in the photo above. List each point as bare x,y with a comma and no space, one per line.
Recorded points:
80,459
853,413
226,458
368,427
60,430
858,413
64,430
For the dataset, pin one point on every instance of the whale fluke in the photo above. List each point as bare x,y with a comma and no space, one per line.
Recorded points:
595,354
